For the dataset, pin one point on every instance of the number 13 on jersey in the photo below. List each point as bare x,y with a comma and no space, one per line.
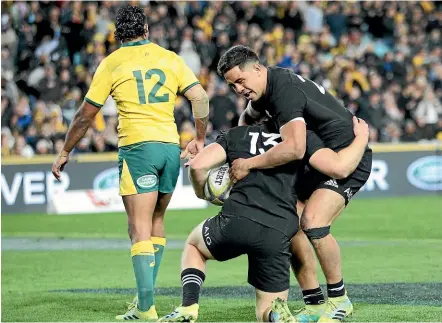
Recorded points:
272,140
153,97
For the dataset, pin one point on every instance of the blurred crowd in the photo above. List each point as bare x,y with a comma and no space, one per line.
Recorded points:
382,59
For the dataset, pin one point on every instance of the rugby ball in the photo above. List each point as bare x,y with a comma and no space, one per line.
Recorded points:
218,185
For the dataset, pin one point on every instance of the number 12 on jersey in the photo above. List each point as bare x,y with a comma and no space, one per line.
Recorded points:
271,140
153,97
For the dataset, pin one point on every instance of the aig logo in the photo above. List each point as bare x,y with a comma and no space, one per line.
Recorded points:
426,173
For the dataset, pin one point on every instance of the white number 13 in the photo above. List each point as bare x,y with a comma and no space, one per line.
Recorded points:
271,140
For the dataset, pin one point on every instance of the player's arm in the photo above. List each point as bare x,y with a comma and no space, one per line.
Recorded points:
210,157
190,87
98,93
249,116
343,163
290,103
95,98
200,109
83,118
292,147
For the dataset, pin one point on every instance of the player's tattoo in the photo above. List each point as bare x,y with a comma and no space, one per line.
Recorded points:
201,127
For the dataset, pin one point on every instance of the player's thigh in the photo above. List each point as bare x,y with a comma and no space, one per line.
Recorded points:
269,260
171,168
139,166
323,206
139,210
196,239
225,236
264,302
162,203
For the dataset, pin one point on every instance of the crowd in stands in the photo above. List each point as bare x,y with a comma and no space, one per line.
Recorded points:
382,59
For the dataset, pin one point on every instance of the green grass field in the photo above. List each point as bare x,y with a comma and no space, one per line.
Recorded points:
391,250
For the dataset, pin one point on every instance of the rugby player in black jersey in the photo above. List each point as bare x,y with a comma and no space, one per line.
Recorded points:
258,219
297,104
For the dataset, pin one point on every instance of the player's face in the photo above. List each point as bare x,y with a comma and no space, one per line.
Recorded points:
247,82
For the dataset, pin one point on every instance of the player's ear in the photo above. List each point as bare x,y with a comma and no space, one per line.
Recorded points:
146,30
257,67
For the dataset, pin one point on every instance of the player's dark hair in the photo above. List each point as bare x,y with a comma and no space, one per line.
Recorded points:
236,56
129,23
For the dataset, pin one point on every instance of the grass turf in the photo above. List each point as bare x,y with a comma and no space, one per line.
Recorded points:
383,241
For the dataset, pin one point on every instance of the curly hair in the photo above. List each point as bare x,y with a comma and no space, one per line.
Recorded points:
236,56
129,23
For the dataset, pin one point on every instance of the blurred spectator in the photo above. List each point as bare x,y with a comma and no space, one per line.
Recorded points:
382,59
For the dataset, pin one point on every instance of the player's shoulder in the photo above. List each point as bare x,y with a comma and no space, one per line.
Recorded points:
156,49
283,79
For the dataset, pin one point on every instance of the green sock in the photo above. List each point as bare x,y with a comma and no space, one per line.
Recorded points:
159,245
143,260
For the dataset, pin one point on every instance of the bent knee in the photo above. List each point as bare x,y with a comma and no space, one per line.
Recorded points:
317,233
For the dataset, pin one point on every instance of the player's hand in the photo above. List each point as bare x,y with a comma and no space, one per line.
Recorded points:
193,148
187,163
360,128
59,163
239,170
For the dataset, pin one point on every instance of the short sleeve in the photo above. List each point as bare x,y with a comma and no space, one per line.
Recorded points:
289,104
100,87
314,143
221,139
186,78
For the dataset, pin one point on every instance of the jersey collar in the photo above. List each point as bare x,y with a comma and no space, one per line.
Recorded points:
136,43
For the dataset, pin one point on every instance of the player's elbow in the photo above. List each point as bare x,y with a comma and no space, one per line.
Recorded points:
340,172
197,166
299,152
296,151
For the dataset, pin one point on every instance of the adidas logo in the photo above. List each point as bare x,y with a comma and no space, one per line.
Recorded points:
339,315
331,182
131,317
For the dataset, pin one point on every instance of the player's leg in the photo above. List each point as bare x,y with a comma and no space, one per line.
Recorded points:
170,155
304,263
321,210
158,232
270,305
139,209
205,242
193,268
303,258
139,189
269,272
304,266
323,207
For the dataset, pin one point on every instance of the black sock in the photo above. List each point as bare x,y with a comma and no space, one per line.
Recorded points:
191,280
336,290
313,296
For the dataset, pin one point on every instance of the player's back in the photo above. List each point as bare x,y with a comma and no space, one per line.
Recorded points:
323,113
144,80
263,196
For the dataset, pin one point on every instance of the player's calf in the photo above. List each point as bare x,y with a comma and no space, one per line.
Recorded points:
193,263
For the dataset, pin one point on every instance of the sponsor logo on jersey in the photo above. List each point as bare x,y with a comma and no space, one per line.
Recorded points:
426,173
147,181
